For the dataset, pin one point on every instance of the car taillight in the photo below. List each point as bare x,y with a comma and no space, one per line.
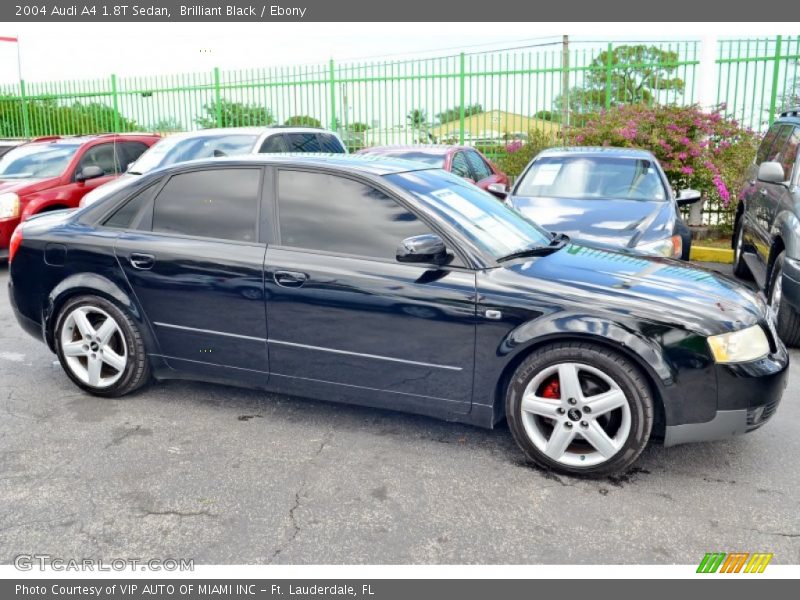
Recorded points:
16,240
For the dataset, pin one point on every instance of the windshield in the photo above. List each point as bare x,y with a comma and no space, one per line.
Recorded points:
592,177
36,161
434,160
176,150
488,223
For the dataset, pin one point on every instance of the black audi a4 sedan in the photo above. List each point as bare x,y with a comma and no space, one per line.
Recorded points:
387,283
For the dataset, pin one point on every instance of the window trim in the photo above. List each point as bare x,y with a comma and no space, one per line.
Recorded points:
452,245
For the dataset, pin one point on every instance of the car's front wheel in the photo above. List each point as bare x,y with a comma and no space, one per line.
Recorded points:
100,347
787,320
579,409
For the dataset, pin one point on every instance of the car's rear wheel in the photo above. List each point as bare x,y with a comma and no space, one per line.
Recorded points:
740,268
100,347
579,409
787,320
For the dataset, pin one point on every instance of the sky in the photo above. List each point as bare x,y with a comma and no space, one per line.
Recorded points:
53,51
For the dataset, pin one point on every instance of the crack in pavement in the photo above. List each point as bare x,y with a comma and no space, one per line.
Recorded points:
125,434
295,526
175,513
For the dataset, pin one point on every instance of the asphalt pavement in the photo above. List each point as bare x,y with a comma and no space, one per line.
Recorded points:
229,476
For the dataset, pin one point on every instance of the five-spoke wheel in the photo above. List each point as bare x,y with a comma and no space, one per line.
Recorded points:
579,408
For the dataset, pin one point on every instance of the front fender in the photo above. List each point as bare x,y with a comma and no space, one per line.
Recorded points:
91,283
786,227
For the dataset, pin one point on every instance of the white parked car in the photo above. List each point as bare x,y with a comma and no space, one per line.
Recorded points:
230,141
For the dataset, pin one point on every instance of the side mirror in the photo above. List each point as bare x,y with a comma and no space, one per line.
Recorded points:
90,172
427,248
686,197
771,172
498,189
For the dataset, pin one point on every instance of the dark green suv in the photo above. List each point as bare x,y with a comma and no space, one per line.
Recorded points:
766,239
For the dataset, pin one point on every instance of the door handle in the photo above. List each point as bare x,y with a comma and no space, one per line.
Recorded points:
142,261
290,278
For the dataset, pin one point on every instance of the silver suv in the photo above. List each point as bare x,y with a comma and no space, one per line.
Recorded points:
766,238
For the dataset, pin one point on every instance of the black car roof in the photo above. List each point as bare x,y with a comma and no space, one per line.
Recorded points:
366,164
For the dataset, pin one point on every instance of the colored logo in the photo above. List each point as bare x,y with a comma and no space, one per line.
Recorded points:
735,562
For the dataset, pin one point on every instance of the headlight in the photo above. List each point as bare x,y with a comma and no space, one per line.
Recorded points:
739,346
671,247
9,206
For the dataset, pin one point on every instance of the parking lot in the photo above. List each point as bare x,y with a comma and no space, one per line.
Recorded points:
224,475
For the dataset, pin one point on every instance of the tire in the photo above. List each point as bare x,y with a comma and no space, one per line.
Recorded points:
598,371
740,268
787,320
100,347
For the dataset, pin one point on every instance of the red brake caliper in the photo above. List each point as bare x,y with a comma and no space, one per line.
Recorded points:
552,389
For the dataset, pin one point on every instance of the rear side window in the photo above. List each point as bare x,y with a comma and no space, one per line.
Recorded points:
302,142
218,203
123,217
330,143
335,214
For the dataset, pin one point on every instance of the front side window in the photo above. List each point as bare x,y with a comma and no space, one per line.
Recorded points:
101,155
766,143
592,177
273,143
784,149
460,166
480,169
217,203
37,161
477,215
329,213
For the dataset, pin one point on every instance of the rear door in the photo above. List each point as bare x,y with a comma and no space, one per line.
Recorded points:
194,260
343,312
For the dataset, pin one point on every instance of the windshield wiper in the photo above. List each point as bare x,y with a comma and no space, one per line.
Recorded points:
556,244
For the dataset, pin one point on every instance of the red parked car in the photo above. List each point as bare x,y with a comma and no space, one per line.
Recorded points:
463,161
53,173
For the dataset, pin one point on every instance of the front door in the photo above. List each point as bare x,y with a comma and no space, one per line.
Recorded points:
195,265
343,312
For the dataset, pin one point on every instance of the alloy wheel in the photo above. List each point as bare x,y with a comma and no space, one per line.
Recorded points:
93,346
576,414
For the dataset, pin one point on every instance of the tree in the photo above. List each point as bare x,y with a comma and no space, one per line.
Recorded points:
418,120
167,125
454,114
48,117
234,114
635,74
358,127
303,121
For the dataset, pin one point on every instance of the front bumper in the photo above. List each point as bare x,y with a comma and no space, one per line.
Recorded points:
748,395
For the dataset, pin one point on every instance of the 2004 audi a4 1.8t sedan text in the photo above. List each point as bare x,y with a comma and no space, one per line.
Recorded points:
386,283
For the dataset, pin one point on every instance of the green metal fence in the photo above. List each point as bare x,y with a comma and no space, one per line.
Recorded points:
485,99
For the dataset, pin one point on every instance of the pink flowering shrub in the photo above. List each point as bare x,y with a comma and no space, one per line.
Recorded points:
697,149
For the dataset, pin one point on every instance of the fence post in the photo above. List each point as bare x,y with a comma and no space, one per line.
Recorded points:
609,64
332,84
461,100
115,102
775,76
26,126
217,97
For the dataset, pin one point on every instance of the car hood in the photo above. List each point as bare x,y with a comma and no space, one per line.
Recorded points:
26,186
655,289
616,223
